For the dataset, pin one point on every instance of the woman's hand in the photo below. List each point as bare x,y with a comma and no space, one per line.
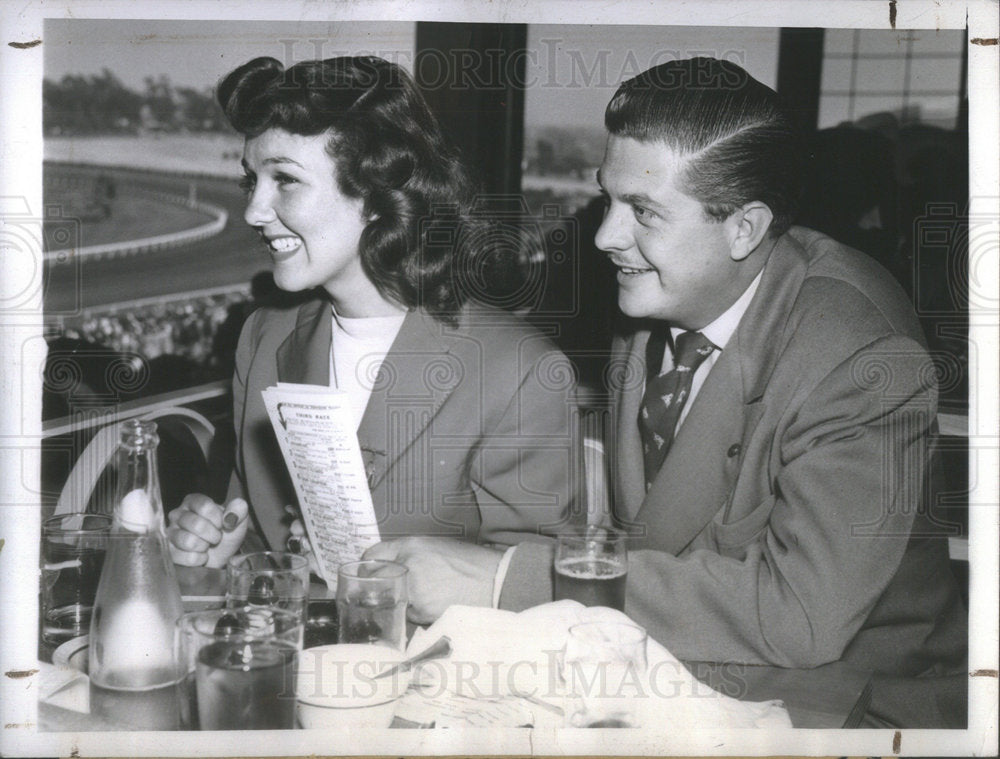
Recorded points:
203,533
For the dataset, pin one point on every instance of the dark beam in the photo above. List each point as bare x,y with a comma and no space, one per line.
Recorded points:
800,66
473,77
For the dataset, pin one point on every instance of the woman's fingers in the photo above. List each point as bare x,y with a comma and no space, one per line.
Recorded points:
179,554
235,521
203,506
198,526
203,532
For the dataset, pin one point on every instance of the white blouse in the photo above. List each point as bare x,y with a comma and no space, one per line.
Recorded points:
357,351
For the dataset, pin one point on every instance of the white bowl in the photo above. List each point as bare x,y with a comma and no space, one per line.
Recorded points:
336,686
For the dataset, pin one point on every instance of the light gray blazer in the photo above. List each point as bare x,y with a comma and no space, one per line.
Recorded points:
786,526
468,432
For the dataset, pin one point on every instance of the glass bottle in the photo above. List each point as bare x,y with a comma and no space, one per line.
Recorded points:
133,674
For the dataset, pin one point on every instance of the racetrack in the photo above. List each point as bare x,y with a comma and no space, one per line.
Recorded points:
230,258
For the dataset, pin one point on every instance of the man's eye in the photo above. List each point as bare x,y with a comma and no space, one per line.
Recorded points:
642,214
247,183
284,179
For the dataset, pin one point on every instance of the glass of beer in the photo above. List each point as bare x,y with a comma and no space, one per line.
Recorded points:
591,565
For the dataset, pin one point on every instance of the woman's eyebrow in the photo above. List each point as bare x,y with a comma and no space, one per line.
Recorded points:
282,159
278,159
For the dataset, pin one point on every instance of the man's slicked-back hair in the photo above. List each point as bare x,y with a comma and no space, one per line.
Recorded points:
736,141
389,150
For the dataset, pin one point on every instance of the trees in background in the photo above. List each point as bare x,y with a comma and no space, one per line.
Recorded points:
102,104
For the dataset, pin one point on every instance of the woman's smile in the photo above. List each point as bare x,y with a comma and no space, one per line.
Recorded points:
311,228
283,248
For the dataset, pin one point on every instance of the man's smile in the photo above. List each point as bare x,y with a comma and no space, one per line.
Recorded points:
630,270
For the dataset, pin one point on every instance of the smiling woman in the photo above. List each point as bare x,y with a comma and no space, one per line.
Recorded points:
355,135
311,228
347,172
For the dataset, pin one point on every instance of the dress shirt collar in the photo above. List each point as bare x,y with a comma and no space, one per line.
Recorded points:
720,330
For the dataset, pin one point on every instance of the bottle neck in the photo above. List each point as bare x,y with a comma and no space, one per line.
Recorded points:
138,508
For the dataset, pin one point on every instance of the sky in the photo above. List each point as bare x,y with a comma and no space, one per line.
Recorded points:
572,73
572,70
578,67
199,53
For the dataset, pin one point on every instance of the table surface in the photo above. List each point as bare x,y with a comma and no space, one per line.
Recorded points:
832,696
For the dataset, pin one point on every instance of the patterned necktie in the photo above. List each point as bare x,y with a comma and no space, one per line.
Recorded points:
666,393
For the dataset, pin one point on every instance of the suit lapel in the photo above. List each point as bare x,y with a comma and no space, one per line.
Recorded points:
699,473
414,381
629,477
304,356
406,379
691,487
766,319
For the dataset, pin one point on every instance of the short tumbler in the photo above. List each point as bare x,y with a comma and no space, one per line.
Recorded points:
239,668
73,549
274,579
371,603
604,664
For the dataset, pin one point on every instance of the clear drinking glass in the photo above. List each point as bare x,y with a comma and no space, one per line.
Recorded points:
371,603
239,667
273,579
603,666
591,565
73,550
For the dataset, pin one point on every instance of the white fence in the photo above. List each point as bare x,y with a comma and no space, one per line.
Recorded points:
158,242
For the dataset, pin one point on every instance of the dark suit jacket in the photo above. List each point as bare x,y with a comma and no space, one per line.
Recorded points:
467,432
785,526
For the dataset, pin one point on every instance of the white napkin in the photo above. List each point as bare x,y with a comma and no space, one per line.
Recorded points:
63,686
499,657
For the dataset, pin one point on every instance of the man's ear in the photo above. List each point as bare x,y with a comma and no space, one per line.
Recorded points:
748,226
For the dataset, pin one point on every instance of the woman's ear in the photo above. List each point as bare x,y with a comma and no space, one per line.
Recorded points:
748,226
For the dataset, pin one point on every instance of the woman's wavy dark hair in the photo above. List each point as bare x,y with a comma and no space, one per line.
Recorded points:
389,151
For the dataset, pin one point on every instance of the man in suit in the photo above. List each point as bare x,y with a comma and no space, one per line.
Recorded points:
773,406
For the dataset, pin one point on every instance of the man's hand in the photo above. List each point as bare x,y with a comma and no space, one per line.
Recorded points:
203,533
443,571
